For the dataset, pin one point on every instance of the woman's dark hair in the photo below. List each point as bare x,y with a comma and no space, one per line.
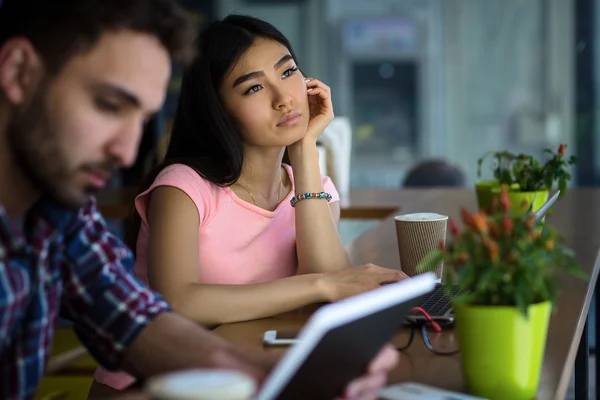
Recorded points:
204,137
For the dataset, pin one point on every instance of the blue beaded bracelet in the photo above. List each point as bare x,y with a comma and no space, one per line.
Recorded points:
303,196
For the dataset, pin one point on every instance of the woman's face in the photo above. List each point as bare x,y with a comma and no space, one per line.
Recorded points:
265,94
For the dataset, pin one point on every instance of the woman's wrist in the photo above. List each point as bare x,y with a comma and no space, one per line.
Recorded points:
323,286
302,152
318,289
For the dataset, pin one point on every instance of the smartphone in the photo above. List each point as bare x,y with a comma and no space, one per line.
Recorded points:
280,338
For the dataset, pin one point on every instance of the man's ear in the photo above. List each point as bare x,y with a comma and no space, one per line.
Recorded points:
20,69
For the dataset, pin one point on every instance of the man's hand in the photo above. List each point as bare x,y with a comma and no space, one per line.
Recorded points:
367,387
258,365
171,337
254,363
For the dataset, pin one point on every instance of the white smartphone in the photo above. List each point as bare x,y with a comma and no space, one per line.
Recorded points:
418,391
280,338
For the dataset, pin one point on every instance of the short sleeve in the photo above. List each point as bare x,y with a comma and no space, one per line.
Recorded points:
186,179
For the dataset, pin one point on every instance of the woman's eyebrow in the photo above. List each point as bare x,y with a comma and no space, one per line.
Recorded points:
256,74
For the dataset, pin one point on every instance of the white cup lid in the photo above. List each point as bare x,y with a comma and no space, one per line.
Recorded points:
419,217
201,385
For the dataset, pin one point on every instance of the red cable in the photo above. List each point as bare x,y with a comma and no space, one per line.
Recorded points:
435,325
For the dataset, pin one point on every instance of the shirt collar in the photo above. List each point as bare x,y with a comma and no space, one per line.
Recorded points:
57,218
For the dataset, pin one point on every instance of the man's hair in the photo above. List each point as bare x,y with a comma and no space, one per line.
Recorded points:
59,29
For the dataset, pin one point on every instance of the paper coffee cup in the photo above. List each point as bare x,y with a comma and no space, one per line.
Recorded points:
418,235
201,385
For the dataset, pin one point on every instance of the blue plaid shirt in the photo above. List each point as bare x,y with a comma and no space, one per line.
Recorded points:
65,260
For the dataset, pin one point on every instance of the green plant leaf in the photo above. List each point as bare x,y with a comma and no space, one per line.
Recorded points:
575,271
431,261
486,279
466,298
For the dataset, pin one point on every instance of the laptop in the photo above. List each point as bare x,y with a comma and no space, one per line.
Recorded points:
438,303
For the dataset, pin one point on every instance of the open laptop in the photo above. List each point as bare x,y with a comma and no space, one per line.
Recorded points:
438,303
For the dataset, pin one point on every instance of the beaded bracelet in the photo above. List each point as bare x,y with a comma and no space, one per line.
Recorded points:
303,196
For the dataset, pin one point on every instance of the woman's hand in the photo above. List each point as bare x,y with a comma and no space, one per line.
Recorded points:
320,115
355,280
320,106
320,109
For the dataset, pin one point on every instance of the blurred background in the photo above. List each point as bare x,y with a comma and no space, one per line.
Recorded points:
438,79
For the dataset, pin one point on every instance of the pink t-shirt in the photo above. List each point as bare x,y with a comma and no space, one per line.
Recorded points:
238,242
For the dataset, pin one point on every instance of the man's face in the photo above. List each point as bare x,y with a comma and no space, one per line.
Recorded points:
83,123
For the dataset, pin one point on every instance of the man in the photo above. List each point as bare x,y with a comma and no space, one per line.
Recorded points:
78,78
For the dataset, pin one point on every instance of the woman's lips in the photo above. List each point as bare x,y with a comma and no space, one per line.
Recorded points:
290,119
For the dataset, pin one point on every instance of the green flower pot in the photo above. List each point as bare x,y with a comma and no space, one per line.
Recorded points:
535,200
501,350
488,190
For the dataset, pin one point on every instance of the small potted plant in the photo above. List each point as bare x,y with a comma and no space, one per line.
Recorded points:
527,178
507,265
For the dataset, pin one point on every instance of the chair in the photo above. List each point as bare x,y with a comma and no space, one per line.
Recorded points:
434,173
336,142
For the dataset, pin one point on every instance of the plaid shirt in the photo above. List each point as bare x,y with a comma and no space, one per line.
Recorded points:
65,260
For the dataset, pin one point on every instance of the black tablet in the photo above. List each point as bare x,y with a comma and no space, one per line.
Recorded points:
340,339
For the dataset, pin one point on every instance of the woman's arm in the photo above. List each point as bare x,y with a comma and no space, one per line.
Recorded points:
173,270
318,243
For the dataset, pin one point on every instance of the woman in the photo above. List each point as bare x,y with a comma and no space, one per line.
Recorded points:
224,234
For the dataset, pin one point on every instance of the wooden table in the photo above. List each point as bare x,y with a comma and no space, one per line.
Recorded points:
576,217
361,204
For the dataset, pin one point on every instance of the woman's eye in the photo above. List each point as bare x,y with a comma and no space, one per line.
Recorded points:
253,89
290,72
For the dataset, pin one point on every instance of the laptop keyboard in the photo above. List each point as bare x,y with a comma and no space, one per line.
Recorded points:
437,302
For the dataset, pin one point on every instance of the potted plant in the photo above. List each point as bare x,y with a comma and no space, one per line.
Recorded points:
528,179
507,265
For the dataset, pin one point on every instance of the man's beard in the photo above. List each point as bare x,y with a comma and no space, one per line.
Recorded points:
34,142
